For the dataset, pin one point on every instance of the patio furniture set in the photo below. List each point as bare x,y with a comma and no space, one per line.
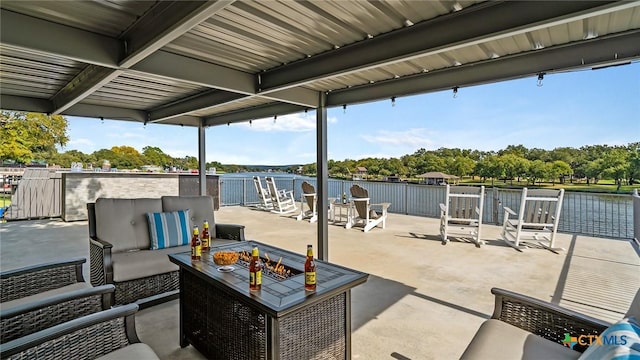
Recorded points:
537,218
49,311
359,210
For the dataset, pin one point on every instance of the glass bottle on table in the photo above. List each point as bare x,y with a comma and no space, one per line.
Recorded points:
310,270
206,237
196,245
255,271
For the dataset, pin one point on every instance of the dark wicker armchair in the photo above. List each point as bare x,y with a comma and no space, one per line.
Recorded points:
522,327
110,332
542,318
19,283
41,296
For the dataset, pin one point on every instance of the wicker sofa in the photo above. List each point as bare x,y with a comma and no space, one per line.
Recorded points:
37,297
120,252
526,328
106,335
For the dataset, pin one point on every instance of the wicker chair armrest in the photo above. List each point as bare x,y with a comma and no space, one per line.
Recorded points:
101,243
57,299
18,283
542,318
101,267
230,232
87,337
24,319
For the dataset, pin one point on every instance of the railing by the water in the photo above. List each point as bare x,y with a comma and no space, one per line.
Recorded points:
602,215
636,216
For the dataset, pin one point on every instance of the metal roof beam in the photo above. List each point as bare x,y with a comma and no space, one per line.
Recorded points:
159,26
197,72
473,25
23,103
166,22
207,100
594,52
202,73
256,112
107,112
45,37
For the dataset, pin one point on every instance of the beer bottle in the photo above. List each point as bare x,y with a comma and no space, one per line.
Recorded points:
206,238
196,246
310,270
255,270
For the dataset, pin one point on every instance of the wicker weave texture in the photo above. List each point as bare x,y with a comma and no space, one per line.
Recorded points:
131,291
220,326
87,343
96,265
223,327
542,322
315,333
19,286
34,321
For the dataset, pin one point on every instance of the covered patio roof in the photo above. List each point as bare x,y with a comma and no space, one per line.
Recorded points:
205,63
219,62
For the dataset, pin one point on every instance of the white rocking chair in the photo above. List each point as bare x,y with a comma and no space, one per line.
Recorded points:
365,214
538,218
282,201
309,197
462,213
264,199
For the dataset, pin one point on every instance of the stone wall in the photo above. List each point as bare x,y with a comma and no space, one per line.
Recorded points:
81,188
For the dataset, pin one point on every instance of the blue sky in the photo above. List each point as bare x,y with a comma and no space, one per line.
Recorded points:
571,109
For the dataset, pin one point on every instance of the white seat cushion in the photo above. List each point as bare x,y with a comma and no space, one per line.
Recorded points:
138,351
498,340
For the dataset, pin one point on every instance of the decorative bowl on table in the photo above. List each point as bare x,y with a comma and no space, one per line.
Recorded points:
225,259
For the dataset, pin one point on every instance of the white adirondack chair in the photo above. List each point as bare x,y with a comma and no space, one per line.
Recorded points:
264,199
365,213
308,196
537,218
282,201
462,213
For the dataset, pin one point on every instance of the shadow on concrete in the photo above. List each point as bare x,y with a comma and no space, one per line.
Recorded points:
373,297
395,355
452,305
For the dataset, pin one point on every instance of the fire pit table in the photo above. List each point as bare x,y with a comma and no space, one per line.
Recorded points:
222,319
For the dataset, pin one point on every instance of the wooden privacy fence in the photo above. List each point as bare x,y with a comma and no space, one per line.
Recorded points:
37,196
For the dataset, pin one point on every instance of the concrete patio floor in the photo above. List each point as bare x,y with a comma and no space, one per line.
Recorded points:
423,300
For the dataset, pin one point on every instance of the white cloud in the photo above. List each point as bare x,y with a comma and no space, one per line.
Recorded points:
286,123
412,138
81,142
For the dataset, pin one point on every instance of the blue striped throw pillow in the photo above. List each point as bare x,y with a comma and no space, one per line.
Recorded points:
168,229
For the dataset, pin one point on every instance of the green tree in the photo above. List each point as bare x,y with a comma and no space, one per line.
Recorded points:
538,170
615,166
127,157
155,156
558,170
25,136
514,166
634,162
462,166
490,167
